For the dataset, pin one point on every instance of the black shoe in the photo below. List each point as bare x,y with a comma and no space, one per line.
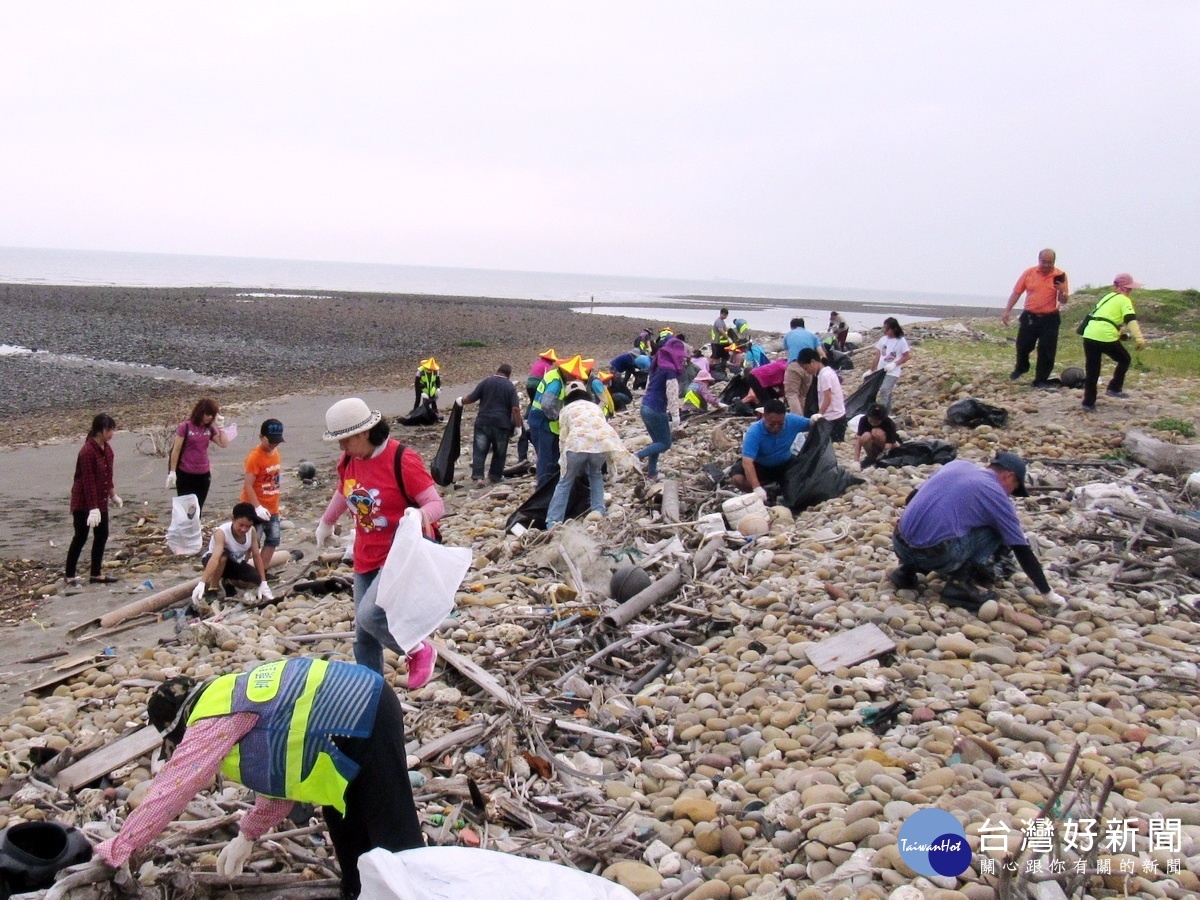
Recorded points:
903,578
1013,376
1045,385
966,596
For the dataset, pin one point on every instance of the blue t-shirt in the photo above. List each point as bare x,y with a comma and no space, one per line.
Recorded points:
959,497
772,449
796,340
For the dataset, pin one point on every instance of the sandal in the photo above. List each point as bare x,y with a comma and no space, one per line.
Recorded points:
75,581
103,579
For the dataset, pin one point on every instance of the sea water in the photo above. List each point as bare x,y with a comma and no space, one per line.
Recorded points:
766,306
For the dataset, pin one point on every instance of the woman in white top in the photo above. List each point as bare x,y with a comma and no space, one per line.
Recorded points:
233,555
891,352
586,440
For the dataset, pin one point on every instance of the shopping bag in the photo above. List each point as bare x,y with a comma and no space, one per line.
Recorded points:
468,873
418,582
184,537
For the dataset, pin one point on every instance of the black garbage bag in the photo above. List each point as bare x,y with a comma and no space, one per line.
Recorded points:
32,853
860,401
814,475
421,414
917,453
442,469
972,412
532,513
839,361
736,389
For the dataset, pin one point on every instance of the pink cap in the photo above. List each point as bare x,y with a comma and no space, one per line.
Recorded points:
1125,280
703,376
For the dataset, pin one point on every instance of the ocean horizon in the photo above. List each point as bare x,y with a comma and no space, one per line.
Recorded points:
636,296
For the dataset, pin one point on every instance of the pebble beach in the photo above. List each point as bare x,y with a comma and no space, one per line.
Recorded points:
700,750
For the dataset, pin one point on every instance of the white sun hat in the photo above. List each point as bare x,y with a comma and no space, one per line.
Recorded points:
349,416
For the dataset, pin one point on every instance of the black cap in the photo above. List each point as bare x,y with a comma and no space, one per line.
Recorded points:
166,702
272,430
1012,463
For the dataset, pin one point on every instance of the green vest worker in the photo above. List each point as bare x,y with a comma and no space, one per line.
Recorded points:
294,730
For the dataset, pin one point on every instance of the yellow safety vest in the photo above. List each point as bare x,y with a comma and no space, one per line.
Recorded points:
549,380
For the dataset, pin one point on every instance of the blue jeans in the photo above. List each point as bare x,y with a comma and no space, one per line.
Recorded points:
371,633
658,424
545,445
578,464
978,546
495,439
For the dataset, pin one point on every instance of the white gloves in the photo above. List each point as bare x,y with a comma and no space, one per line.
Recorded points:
118,501
264,591
93,518
170,481
890,367
198,590
233,858
262,513
458,401
324,533
761,493
219,422
815,417
1055,598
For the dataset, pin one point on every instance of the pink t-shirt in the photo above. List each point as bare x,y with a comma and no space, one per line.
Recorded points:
771,374
194,458
376,503
828,382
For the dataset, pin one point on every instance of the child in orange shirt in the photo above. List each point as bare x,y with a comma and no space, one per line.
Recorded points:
261,485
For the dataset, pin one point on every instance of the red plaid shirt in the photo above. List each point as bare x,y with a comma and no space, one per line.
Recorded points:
93,477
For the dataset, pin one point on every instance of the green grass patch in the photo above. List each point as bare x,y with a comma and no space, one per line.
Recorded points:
471,342
1179,426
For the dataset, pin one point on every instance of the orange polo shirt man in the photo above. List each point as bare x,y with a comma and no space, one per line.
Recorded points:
1046,290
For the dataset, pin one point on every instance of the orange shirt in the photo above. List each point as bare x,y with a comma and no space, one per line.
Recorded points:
1041,294
265,466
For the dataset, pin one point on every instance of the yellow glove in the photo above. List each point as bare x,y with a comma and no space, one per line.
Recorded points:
1136,330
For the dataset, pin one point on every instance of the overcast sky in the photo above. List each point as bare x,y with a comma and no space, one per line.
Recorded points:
928,146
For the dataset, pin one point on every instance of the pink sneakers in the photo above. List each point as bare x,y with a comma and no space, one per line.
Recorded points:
420,664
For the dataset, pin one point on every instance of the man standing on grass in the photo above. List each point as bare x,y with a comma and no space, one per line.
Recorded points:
499,419
1046,290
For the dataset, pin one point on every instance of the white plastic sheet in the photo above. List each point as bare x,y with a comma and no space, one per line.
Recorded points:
184,537
418,582
463,873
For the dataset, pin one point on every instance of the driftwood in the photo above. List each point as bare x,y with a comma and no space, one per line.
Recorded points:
670,500
1162,457
637,604
113,756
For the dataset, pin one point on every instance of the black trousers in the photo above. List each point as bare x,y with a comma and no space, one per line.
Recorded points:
190,483
99,539
380,810
1092,353
1041,331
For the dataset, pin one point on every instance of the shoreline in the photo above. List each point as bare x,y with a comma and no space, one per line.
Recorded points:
137,352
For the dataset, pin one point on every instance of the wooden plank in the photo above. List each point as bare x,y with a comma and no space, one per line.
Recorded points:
437,747
112,756
477,674
68,674
850,648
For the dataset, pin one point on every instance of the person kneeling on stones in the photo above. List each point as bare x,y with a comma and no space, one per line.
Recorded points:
346,754
233,556
767,448
959,524
876,434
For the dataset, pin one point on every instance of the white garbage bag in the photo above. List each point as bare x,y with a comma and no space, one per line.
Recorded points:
464,873
184,537
418,582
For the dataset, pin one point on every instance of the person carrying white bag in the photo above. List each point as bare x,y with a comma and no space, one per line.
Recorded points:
379,479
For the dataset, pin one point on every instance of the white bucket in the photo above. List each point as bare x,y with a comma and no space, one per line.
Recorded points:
737,508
